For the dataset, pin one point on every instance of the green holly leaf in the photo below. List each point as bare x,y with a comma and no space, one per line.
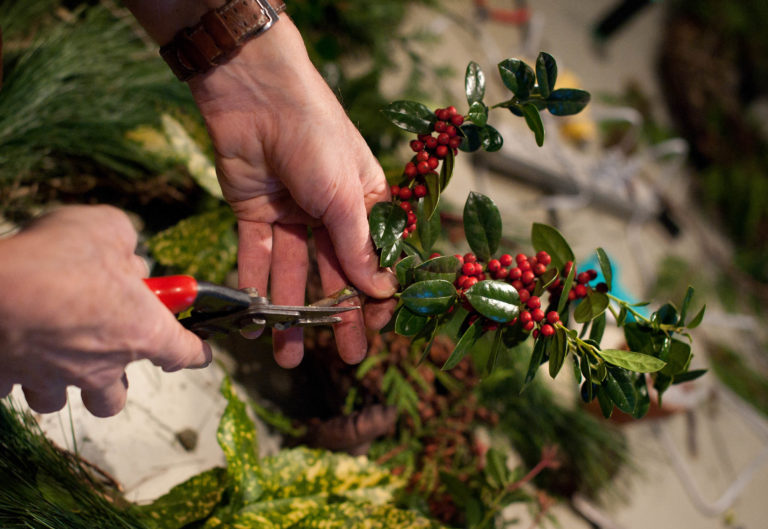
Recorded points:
533,120
536,358
237,437
638,362
464,345
621,389
605,267
387,222
496,348
496,300
473,137
567,101
491,140
567,285
598,328
411,116
546,73
696,321
203,246
409,324
474,83
404,270
678,358
482,225
518,77
605,401
478,113
444,267
549,239
428,227
432,181
557,349
446,170
591,307
427,298
187,502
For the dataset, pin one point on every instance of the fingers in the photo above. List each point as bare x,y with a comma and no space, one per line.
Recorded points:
177,348
347,223
107,401
378,312
46,400
350,333
6,386
288,283
253,259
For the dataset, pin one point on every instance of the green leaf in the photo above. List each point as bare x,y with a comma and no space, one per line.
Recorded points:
639,362
444,267
686,303
533,120
473,137
536,357
598,328
429,228
404,270
689,375
387,222
678,358
492,140
474,83
591,307
427,298
697,319
187,502
411,116
496,300
606,404
496,348
567,284
432,181
643,399
407,323
446,170
517,76
550,240
567,101
546,73
463,346
496,472
478,113
237,437
605,267
557,348
482,225
667,314
621,389
428,333
204,246
514,335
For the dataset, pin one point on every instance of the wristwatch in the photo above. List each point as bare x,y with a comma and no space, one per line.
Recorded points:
220,32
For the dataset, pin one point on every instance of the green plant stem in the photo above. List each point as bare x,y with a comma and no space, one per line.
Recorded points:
665,327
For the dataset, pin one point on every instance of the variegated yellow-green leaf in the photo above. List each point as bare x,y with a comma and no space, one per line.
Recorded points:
365,516
204,246
237,438
187,502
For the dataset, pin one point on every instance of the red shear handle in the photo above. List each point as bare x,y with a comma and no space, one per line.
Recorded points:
178,293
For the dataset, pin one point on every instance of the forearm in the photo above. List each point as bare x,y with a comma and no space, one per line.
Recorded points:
162,19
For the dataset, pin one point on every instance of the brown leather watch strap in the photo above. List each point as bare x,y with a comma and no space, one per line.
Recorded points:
219,33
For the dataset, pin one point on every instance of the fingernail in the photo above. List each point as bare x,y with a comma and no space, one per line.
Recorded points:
386,282
208,351
124,380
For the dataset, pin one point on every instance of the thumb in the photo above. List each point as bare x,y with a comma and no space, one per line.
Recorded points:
173,347
347,224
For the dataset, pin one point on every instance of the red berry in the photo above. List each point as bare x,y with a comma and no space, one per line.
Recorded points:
461,280
405,193
533,261
592,274
512,322
443,138
553,317
525,316
459,257
524,295
422,156
531,287
469,257
470,282
457,120
534,302
441,114
410,170
435,254
411,217
405,206
423,167
501,273
580,290
478,268
601,287
441,126
521,257
567,267
547,330
543,257
571,295
527,277
518,285
417,146
515,273
395,190
430,142
420,190
505,259
537,315
583,278
441,151
406,233
493,265
481,276
451,110
433,162
529,326
451,131
455,142
468,268
539,269
524,265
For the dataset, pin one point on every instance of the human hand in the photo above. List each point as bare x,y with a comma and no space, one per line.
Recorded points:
75,311
288,157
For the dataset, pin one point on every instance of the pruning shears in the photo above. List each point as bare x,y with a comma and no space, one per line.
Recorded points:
219,309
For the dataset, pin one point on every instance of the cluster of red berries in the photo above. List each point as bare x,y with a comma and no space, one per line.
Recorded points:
525,277
430,150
